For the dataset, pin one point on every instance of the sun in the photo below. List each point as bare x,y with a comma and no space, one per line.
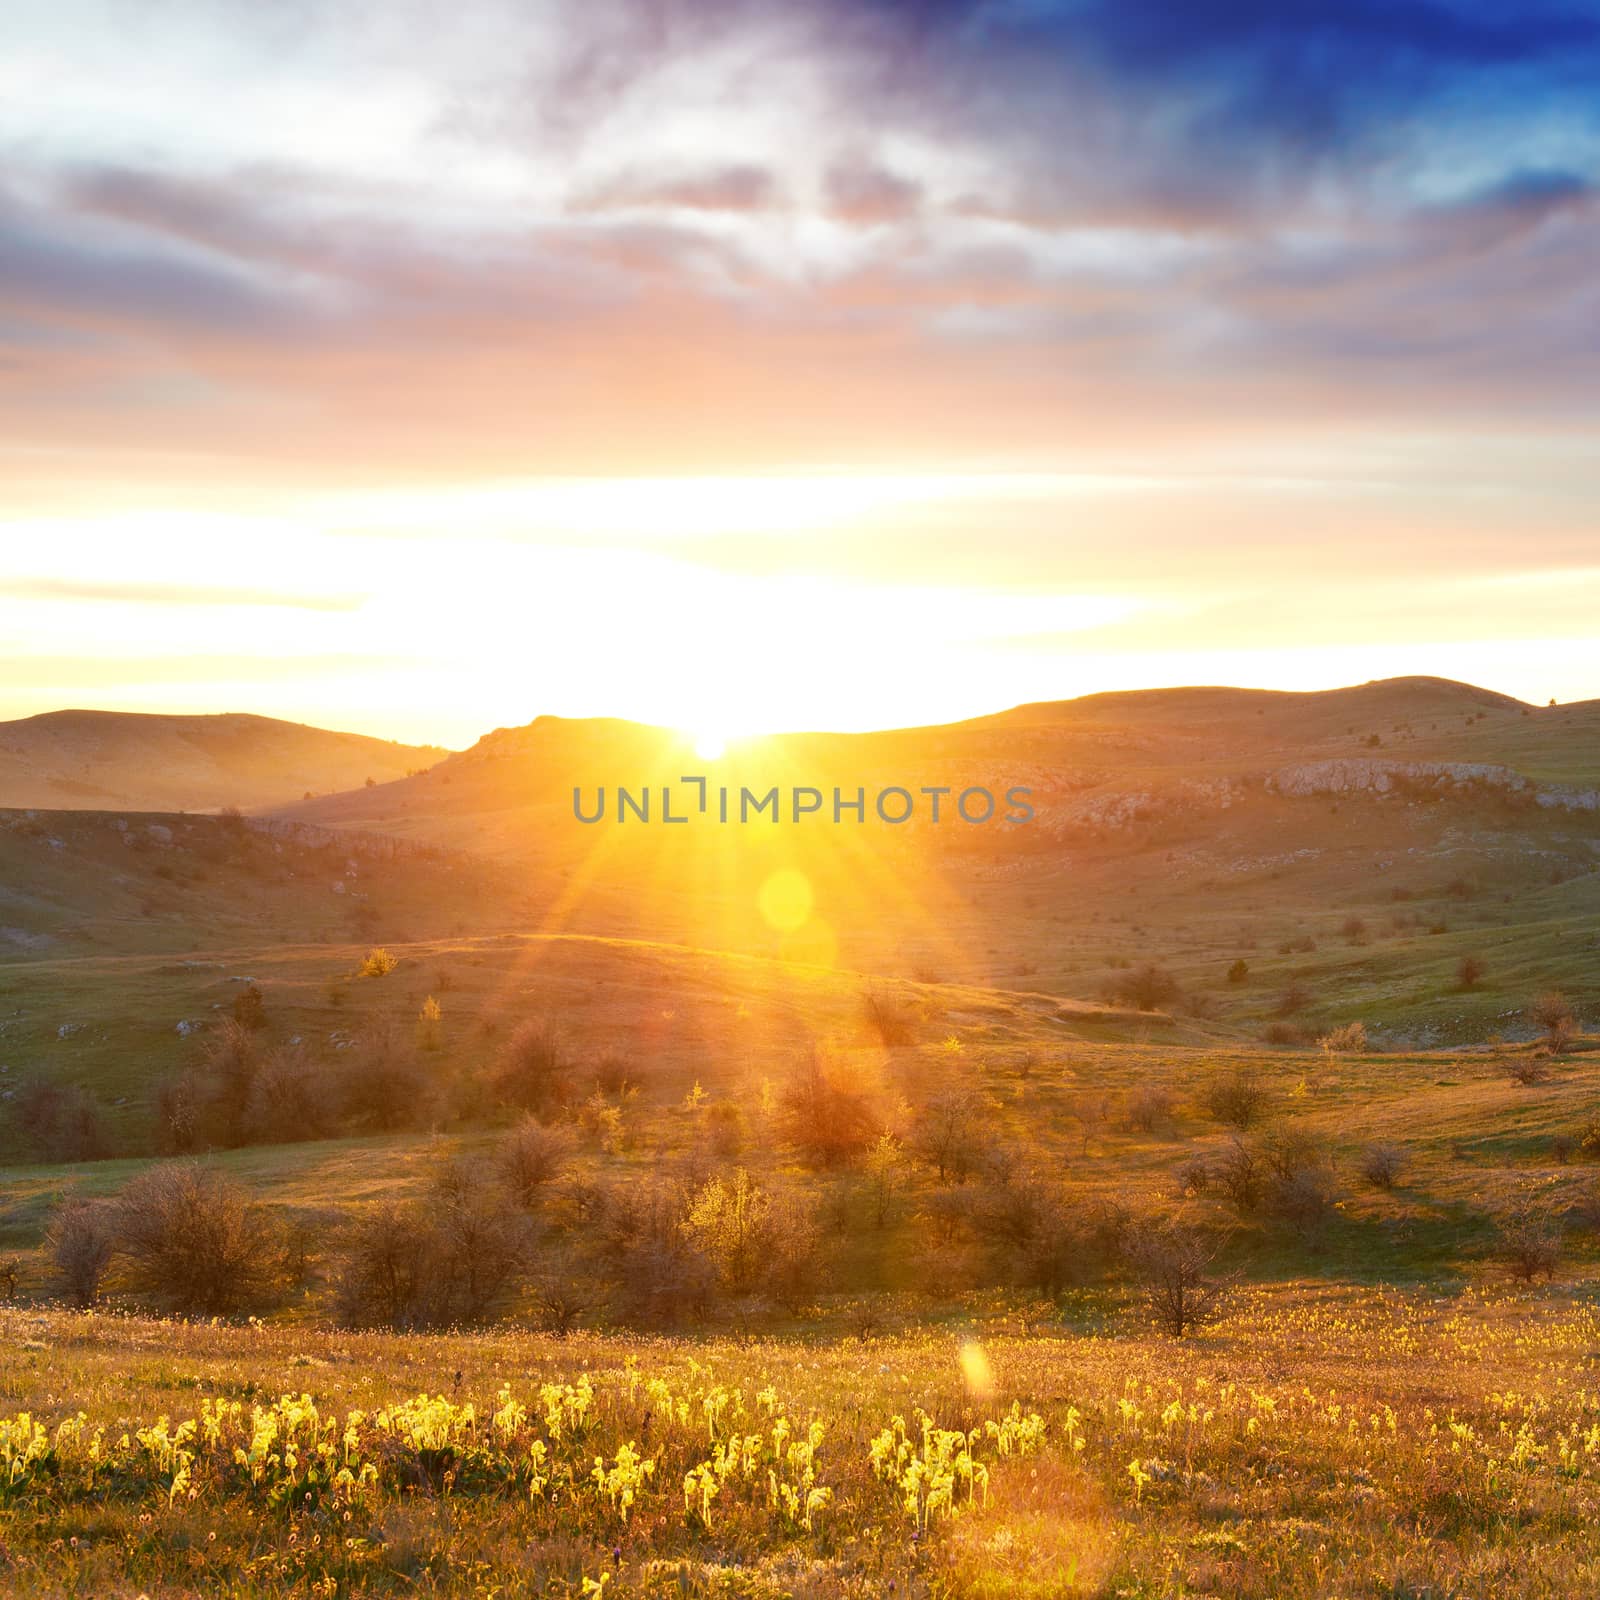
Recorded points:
709,743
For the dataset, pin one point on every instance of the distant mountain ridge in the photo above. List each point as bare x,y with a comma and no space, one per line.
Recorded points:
144,761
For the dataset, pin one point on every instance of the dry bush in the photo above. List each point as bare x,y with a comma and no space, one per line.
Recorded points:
179,1118
290,1099
1042,1237
1240,1176
887,1020
1148,1108
382,1086
661,1277
535,1069
1238,1098
1285,1033
1302,1189
80,1241
1172,1265
1239,971
531,1157
1562,1148
455,1259
1294,1000
1194,1175
564,1289
1351,1039
193,1241
249,1009
1470,972
829,1118
796,1268
1530,1242
230,1059
1145,988
1553,1016
724,1125
1381,1165
61,1120
1529,1068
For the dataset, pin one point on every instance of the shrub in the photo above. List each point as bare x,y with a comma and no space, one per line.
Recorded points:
1146,988
1240,1176
80,1241
1294,1000
289,1099
1553,1016
1284,1033
61,1120
193,1241
249,1009
725,1128
1238,1098
454,1259
663,1278
1301,1189
1530,1243
535,1071
1193,1175
531,1158
829,1119
229,1061
1381,1165
1239,971
1172,1266
429,1021
1149,1108
795,1267
1528,1068
1351,1039
377,963
381,1085
886,1174
886,1020
1562,1148
1470,972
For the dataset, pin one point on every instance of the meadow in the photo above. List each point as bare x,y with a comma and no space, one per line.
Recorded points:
1328,1442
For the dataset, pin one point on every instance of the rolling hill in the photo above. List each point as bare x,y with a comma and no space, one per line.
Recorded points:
97,760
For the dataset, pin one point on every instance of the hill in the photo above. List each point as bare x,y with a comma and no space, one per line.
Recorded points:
147,762
1354,846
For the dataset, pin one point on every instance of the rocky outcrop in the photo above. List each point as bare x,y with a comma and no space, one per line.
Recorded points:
1351,776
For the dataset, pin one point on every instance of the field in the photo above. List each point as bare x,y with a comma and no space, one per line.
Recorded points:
1316,1443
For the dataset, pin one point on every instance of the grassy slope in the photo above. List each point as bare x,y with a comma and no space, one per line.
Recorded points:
150,762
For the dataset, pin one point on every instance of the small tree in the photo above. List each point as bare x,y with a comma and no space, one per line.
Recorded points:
885,1167
80,1242
728,1223
1470,972
1172,1266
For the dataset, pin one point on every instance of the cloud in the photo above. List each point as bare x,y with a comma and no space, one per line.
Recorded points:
732,188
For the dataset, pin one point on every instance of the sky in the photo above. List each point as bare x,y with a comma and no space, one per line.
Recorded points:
420,368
